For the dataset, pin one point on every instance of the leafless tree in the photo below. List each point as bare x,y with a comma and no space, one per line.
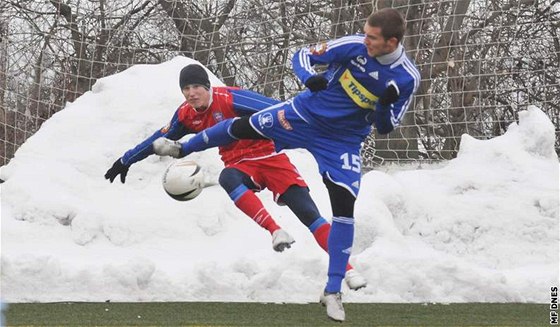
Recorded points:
480,62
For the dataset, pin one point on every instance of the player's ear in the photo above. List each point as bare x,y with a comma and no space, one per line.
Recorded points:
393,42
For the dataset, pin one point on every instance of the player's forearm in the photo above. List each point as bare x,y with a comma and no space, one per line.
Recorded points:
142,150
174,131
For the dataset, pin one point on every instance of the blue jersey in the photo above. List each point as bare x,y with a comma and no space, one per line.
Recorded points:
356,81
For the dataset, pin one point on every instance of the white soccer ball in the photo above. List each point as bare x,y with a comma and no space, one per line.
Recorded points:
183,180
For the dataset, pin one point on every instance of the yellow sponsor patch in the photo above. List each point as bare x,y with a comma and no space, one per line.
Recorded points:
356,91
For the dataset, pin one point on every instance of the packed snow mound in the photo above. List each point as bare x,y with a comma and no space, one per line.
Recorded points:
482,227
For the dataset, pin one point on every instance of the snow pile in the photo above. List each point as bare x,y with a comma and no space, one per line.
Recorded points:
484,227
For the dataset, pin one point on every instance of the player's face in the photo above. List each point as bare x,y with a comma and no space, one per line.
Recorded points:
375,42
197,96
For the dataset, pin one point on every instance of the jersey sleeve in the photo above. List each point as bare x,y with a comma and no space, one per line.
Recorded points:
388,117
174,131
338,50
248,102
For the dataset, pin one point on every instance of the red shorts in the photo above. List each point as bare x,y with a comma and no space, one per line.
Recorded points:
275,173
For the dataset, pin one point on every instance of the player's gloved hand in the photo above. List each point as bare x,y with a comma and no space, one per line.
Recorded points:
117,169
390,95
316,83
166,147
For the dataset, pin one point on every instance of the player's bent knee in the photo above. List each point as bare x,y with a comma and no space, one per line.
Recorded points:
300,202
242,129
230,178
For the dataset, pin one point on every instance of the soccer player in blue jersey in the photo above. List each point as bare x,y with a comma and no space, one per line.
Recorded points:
369,80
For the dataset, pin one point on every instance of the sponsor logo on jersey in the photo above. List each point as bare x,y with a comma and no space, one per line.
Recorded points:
356,91
374,74
283,121
356,184
265,120
166,128
218,116
361,59
359,62
360,67
347,250
318,49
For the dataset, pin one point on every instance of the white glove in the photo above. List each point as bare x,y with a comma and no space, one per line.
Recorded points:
165,147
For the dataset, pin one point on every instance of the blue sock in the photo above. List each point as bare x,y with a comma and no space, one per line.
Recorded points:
340,247
214,136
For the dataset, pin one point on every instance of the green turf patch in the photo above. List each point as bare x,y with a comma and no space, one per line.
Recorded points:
260,314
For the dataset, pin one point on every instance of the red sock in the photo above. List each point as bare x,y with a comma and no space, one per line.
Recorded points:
321,235
252,206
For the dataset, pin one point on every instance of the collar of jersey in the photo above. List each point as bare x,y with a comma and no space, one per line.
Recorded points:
390,58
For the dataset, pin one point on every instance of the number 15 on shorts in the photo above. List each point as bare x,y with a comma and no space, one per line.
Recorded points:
351,162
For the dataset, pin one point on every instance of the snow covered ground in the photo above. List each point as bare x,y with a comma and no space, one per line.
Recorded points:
483,227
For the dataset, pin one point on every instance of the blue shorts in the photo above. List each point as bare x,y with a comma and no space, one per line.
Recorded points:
338,157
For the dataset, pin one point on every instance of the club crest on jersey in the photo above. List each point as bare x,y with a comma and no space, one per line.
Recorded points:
283,121
356,91
265,120
218,116
318,49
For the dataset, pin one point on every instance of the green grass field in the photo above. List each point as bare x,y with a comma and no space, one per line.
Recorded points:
259,314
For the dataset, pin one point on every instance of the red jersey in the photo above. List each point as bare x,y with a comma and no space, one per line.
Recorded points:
222,108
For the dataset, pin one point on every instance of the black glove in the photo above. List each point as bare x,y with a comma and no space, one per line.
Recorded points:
118,169
316,83
390,95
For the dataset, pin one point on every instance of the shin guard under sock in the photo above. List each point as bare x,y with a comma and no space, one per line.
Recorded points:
321,230
252,206
340,242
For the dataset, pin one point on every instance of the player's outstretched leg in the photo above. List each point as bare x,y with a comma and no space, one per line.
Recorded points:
214,136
